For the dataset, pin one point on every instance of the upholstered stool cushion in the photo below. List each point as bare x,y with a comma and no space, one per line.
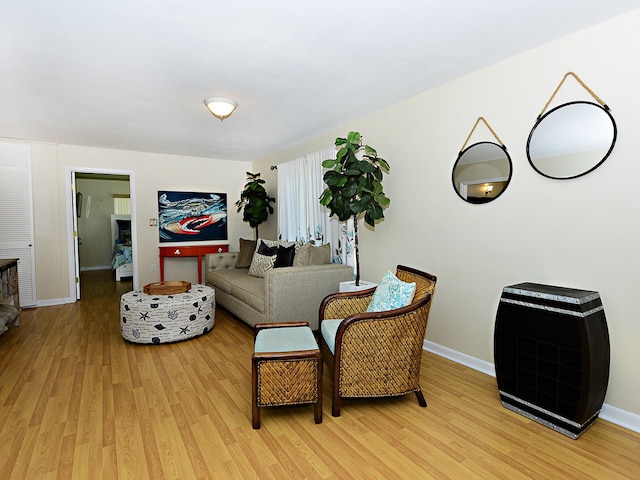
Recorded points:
167,318
285,339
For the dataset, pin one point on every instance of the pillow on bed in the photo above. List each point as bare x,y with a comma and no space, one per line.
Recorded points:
124,229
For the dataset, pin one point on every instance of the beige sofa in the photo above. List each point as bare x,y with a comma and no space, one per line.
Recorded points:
285,294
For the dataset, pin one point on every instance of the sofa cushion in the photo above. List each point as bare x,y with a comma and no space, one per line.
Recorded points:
247,248
223,279
391,293
249,290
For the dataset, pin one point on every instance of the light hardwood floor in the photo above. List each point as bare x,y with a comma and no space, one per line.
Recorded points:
77,401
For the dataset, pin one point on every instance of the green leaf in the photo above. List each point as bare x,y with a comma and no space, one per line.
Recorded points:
332,178
350,190
325,198
330,163
365,166
354,137
343,152
382,200
370,151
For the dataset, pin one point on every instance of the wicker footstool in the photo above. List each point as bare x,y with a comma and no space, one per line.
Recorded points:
286,368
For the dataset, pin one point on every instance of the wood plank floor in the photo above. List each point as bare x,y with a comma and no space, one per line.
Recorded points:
76,401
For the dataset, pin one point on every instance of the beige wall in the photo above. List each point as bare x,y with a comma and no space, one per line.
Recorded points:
581,233
150,173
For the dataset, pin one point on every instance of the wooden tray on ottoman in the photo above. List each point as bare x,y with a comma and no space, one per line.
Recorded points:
167,288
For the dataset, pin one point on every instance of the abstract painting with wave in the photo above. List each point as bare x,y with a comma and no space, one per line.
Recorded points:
191,216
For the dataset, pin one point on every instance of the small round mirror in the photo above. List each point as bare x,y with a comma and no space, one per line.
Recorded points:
481,172
571,140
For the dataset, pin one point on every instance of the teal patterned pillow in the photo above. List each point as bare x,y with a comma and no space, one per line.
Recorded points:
391,293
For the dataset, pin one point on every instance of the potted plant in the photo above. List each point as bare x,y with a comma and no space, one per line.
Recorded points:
354,186
254,202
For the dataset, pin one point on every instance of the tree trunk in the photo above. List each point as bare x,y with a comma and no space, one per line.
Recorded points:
356,249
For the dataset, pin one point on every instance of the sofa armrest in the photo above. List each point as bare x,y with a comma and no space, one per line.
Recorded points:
294,294
219,261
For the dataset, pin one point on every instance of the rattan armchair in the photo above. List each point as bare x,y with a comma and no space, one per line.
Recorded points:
376,354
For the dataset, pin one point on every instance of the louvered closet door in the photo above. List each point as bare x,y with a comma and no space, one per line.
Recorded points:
16,216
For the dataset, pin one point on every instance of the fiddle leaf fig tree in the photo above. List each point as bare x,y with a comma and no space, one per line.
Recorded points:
254,202
354,186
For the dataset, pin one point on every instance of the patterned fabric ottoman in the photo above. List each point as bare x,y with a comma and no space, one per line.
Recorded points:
167,318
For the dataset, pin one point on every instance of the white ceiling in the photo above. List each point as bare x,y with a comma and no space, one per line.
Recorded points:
133,74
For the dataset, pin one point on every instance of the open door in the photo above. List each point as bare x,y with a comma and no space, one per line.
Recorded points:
76,206
76,239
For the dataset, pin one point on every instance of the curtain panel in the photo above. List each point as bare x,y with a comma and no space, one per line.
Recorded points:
300,215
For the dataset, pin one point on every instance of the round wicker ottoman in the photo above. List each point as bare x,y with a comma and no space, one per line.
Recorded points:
167,318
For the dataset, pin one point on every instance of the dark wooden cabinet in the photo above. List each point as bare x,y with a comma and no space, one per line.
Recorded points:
551,347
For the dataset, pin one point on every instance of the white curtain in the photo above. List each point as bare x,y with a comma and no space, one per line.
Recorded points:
300,215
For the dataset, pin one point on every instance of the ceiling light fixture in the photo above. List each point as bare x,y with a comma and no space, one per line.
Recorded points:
220,107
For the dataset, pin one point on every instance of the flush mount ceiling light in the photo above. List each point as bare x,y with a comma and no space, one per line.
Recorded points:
220,107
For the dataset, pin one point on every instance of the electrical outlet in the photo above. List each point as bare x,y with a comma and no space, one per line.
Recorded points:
153,267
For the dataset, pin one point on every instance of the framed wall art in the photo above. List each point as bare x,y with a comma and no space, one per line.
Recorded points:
192,216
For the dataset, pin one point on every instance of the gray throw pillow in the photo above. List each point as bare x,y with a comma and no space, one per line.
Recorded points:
301,258
320,255
309,254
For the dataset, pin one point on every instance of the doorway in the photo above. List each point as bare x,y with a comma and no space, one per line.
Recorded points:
91,198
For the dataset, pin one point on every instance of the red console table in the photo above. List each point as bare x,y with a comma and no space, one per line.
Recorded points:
191,251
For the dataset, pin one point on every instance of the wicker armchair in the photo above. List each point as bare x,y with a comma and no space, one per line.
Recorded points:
376,354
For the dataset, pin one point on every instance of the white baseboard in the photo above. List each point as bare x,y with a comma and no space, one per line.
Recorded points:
54,301
608,412
620,417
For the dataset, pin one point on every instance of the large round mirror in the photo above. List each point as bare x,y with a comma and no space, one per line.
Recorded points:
571,140
481,172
